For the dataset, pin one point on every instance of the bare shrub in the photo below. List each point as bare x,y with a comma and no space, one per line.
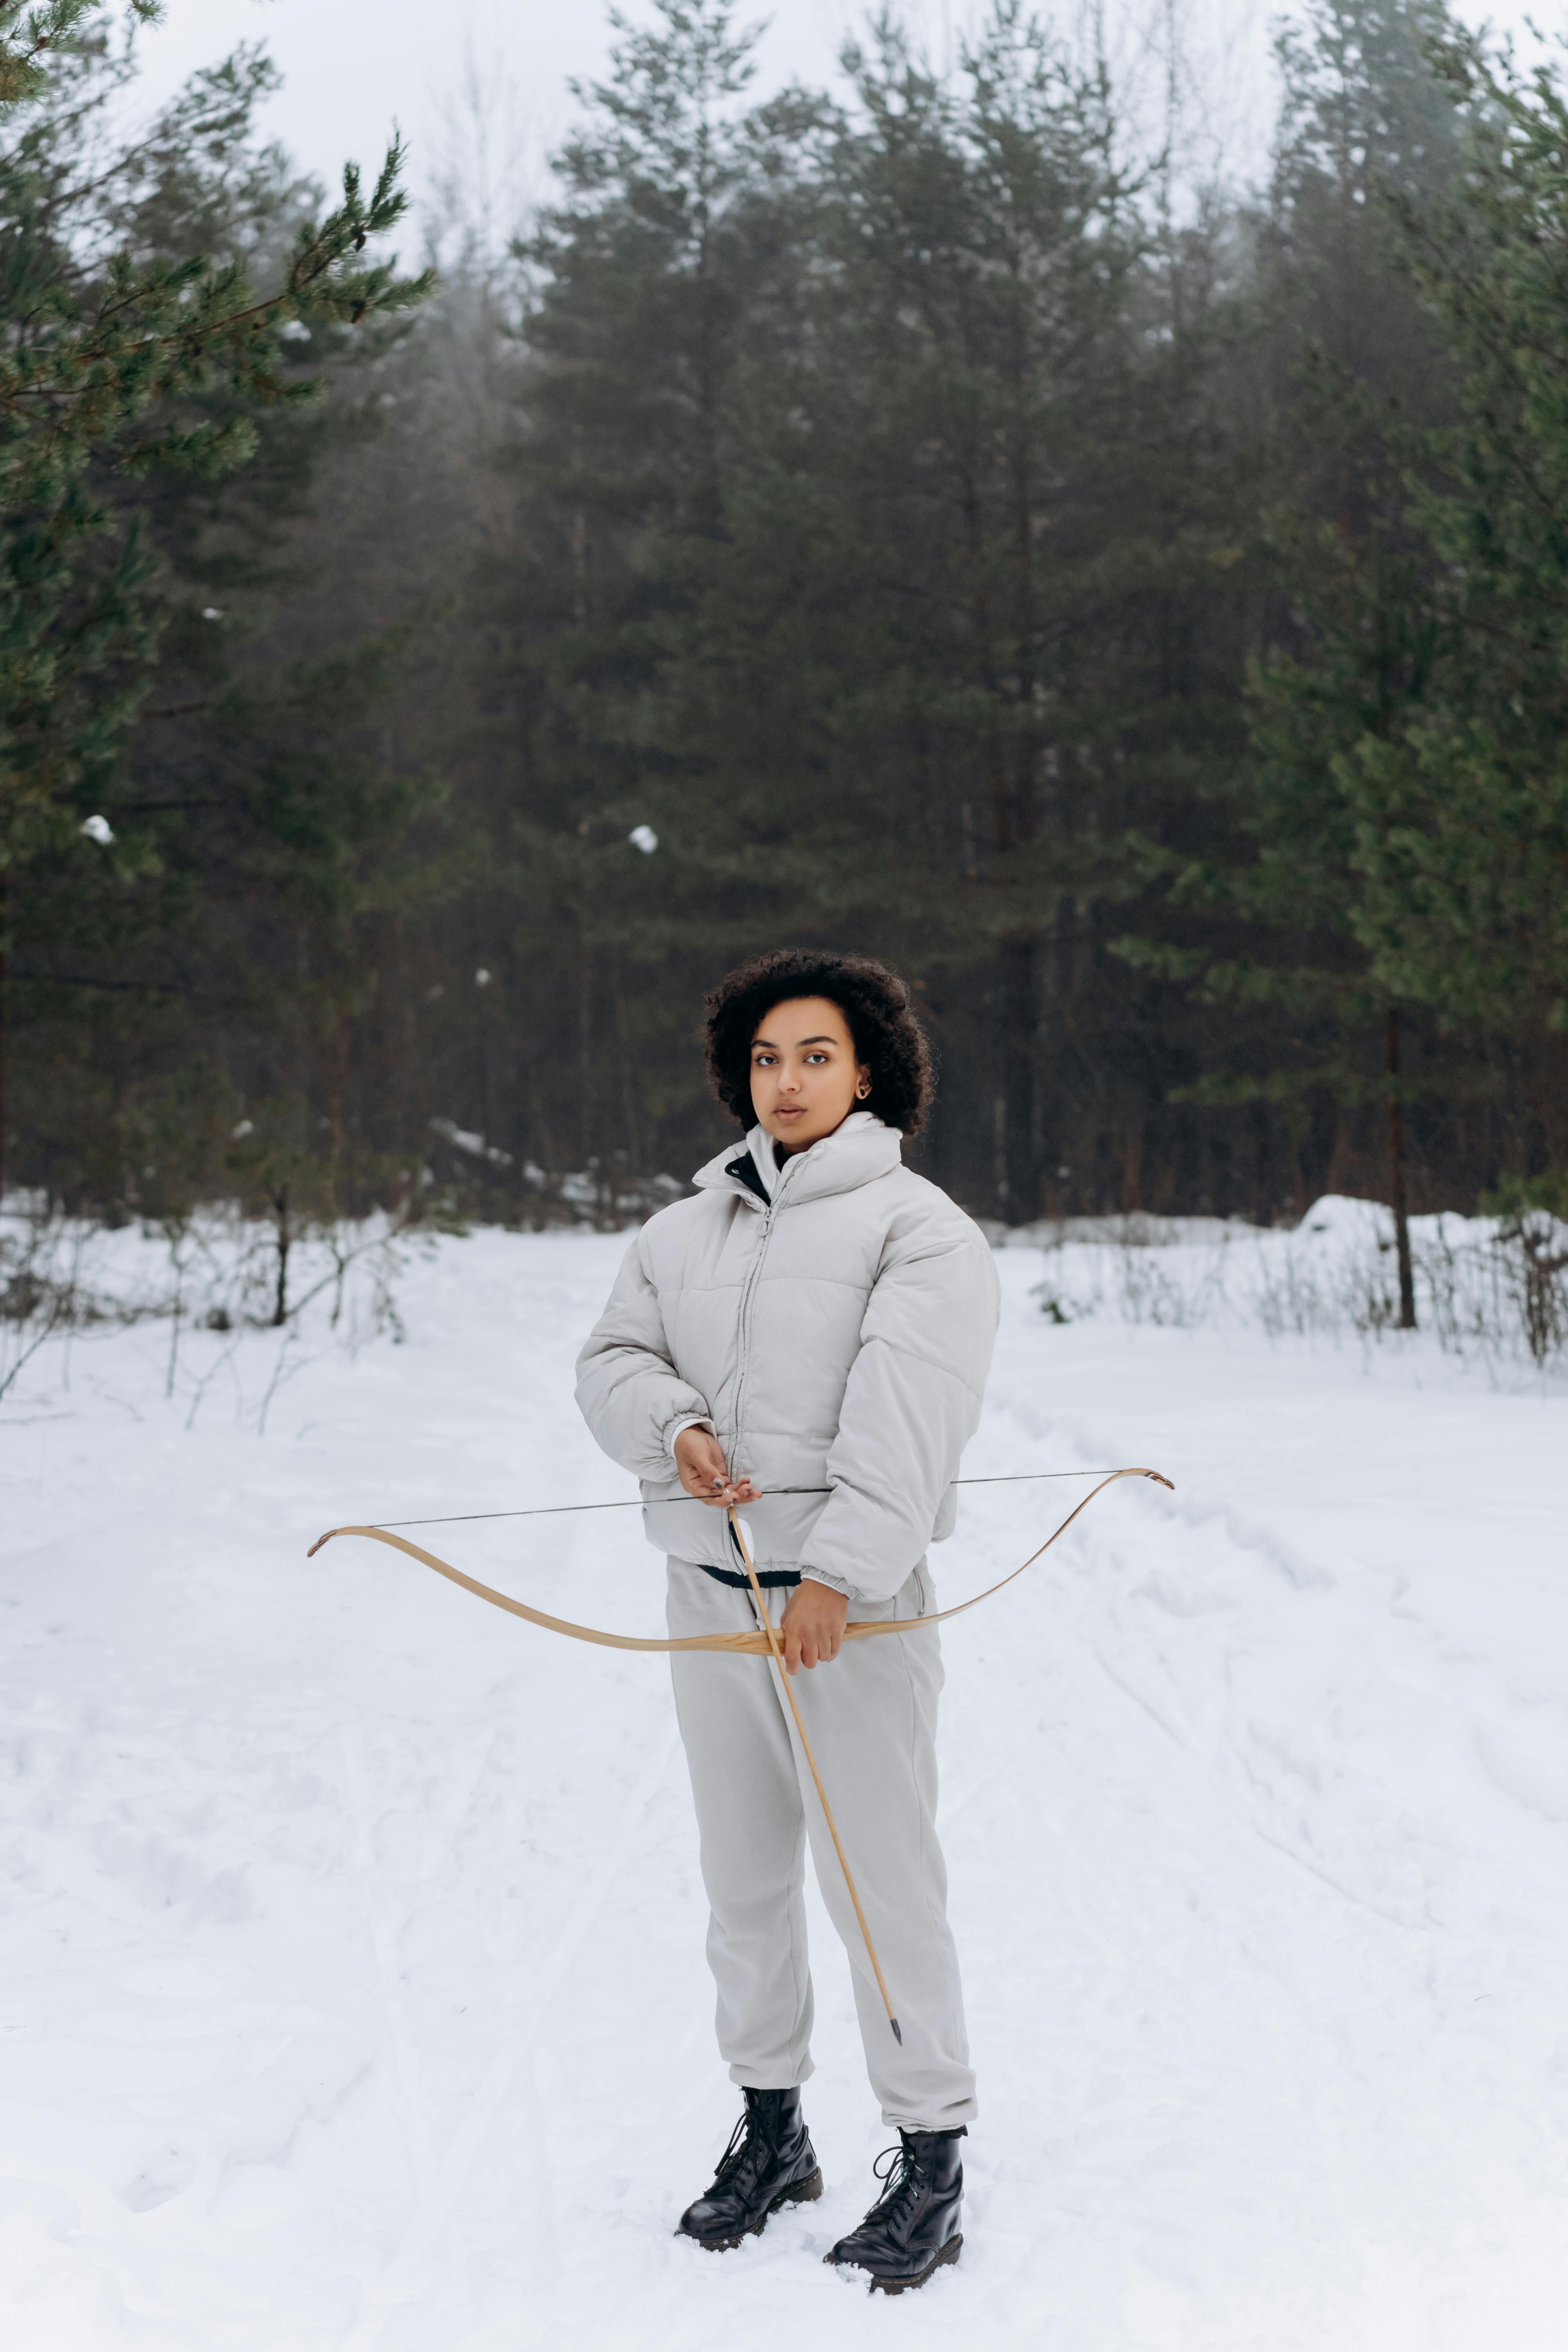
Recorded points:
1495,1286
1533,1246
212,1277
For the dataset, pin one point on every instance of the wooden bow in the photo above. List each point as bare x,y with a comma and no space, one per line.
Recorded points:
753,1644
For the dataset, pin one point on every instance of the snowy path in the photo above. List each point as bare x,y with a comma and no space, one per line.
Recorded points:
351,1934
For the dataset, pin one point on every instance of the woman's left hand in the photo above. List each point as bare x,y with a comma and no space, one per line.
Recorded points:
813,1625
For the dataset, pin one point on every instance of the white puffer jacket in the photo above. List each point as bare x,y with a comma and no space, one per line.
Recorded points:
837,1336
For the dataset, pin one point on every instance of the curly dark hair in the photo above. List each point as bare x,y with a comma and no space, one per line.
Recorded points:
875,1003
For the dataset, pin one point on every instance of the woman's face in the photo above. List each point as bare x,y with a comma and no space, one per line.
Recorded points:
804,1077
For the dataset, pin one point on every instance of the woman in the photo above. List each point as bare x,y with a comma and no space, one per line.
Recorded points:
817,1319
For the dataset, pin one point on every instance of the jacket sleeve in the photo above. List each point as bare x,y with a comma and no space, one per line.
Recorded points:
911,1406
628,1391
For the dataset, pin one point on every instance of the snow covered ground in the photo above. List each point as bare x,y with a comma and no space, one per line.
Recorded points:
351,1934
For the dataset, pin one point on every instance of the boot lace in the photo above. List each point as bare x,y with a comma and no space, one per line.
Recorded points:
735,2155
906,2182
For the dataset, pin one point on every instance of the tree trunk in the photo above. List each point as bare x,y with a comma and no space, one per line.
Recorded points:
337,1095
1132,1170
585,1131
1019,1185
628,1080
281,1301
4,977
1398,1198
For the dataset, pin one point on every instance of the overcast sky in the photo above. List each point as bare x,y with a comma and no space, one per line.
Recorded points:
353,68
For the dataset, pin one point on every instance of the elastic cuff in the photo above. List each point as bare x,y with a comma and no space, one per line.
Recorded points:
691,1421
834,1583
946,2129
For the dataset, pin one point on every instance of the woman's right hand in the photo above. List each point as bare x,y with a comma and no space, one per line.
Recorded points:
699,1460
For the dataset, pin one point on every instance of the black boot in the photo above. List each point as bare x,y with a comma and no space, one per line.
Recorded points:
913,2227
770,2161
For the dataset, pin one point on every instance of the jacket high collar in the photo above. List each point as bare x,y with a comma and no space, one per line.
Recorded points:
856,1153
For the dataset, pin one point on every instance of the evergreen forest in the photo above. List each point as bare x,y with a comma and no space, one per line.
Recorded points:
909,517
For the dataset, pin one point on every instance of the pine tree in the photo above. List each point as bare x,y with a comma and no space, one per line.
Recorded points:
1466,877
1277,931
119,369
646,281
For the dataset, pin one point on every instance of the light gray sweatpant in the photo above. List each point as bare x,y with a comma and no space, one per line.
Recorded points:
871,1718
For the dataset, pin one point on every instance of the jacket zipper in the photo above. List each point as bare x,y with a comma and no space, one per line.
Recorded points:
745,1319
